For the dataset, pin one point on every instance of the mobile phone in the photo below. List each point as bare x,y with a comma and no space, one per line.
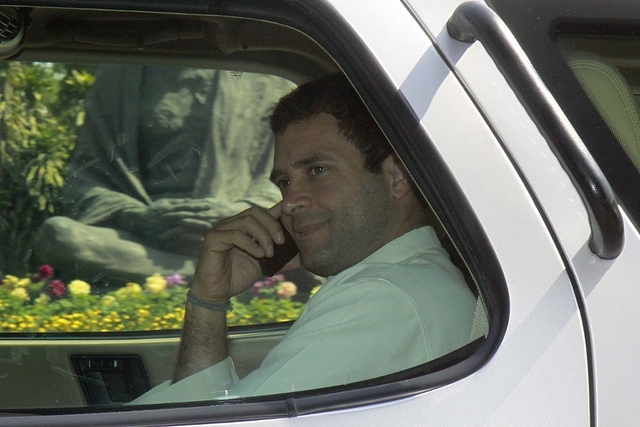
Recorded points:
282,254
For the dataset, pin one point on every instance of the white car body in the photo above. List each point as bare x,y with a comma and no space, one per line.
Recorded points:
567,354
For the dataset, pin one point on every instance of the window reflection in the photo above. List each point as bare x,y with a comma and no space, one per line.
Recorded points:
112,174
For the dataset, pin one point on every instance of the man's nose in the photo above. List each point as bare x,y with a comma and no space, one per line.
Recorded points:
295,197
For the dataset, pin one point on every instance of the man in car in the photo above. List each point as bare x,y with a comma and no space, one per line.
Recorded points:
393,299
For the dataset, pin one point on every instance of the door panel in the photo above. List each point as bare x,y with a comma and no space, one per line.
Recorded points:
40,374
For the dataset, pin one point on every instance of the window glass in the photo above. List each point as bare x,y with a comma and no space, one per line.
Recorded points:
606,66
111,174
600,44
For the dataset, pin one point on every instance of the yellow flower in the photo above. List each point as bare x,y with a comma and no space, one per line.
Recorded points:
20,293
23,283
130,288
79,287
10,281
133,288
108,300
155,284
43,299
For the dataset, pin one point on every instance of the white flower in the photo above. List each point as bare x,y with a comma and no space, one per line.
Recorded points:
287,289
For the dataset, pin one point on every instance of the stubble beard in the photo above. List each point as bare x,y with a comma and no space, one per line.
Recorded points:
354,235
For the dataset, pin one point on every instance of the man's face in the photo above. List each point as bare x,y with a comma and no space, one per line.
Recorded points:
337,212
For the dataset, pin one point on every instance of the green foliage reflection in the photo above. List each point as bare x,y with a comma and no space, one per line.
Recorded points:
41,108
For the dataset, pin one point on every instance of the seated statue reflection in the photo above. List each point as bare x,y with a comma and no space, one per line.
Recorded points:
164,153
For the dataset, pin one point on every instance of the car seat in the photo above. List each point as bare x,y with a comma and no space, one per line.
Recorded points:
611,94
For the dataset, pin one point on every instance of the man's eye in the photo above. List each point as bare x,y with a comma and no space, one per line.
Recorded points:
317,170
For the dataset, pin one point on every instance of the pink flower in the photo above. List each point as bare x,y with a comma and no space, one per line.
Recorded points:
57,288
45,271
175,279
270,282
257,286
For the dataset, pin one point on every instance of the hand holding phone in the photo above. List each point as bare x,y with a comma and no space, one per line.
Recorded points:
282,254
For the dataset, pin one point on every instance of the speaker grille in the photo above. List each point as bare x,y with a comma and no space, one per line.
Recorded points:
9,25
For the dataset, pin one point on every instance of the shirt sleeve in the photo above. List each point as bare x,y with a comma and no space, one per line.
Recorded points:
208,384
356,331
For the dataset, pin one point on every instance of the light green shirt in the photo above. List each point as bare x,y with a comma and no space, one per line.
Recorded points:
404,305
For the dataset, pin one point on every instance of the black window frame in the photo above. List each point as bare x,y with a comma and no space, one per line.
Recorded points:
322,23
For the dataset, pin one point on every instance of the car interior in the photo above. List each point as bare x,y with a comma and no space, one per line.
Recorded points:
70,370
599,69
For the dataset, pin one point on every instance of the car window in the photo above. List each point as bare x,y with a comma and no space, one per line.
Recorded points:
602,58
111,175
113,170
610,83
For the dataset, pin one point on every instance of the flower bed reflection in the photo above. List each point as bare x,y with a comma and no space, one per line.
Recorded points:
41,303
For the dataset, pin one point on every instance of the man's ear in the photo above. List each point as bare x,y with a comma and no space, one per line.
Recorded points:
398,176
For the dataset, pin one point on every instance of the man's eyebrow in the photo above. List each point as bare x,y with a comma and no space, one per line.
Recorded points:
304,162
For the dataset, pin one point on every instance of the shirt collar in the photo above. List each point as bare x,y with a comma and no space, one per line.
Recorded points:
404,246
396,251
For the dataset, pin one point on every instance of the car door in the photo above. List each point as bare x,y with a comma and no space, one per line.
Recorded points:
457,126
597,39
601,282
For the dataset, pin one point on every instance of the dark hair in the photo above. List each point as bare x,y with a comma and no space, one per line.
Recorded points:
334,95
